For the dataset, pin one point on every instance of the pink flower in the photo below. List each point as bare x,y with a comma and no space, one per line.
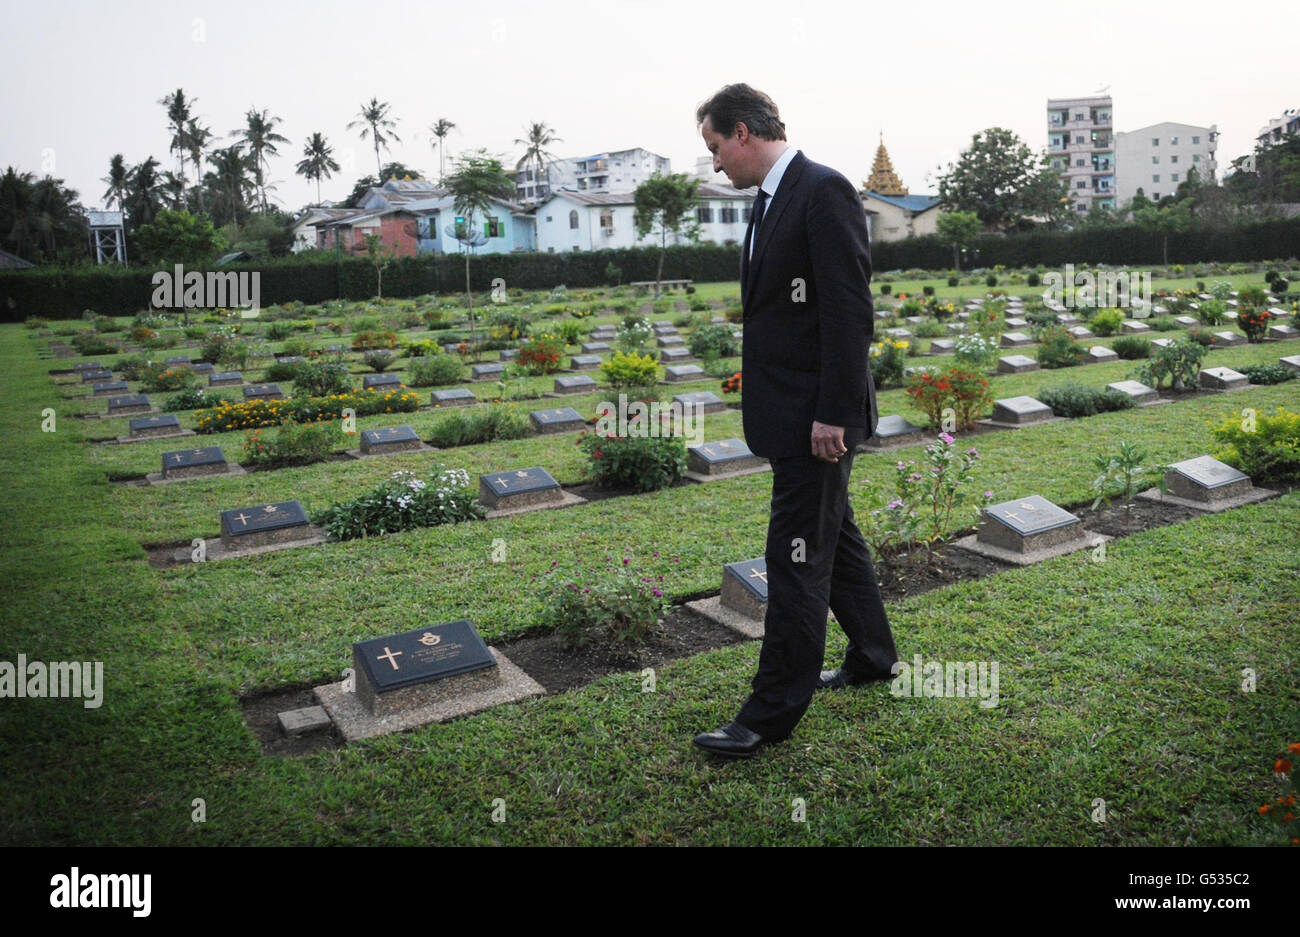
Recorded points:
626,561
988,494
947,439
972,452
657,593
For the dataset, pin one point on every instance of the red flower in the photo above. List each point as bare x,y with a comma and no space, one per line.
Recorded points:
1282,767
596,454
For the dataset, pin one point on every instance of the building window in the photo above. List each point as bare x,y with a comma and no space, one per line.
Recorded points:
1078,138
1173,177
573,220
1173,141
1078,162
494,228
1078,115
745,214
1156,196
1173,159
548,217
1155,141
1155,159
704,214
1196,157
606,219
1196,141
1082,206
1155,178
729,215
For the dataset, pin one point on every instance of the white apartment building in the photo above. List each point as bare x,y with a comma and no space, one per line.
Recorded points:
1081,147
1156,159
614,171
1279,127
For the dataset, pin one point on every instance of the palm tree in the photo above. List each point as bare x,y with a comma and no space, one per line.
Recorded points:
144,195
478,181
440,129
539,137
178,115
117,180
259,133
318,161
375,123
174,186
231,177
197,139
16,209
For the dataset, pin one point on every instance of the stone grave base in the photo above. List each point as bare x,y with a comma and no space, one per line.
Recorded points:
355,722
999,424
576,392
1211,507
566,500
736,473
396,449
230,469
219,551
1087,540
713,609
183,432
876,444
129,411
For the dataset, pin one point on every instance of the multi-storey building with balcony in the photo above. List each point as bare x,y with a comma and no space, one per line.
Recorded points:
1081,147
1157,159
1278,127
611,172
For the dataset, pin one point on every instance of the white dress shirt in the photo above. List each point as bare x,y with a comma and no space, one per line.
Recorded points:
770,183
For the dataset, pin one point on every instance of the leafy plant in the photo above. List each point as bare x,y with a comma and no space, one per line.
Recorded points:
377,359
641,463
1106,322
193,398
975,351
1131,347
1266,448
888,360
480,426
541,355
1122,474
1059,349
321,378
711,342
630,371
1179,363
293,443
159,377
404,501
613,604
1075,400
965,392
1268,373
435,370
1254,322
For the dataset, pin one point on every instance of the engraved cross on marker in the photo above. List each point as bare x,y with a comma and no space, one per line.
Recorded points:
758,574
390,656
242,518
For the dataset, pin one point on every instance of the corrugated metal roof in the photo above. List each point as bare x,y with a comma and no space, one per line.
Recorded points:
913,203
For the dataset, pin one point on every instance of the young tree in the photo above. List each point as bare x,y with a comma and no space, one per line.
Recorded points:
1164,221
178,237
1001,180
477,182
669,203
381,255
318,161
375,123
957,229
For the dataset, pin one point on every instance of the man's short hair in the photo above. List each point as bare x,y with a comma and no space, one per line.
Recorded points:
741,104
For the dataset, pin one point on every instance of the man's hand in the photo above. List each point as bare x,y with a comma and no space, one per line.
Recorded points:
828,442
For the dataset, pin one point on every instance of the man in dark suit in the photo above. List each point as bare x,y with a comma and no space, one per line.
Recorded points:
808,402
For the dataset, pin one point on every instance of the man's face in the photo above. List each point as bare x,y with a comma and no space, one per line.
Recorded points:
730,155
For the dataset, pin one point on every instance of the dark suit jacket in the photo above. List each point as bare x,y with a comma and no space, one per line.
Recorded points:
805,356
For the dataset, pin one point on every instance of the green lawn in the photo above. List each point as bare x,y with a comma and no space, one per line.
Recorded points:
1119,680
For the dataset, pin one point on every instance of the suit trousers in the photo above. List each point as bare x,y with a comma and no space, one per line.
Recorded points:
810,504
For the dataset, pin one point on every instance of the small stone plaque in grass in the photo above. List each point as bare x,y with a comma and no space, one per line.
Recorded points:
1134,325
1290,361
389,439
585,362
1028,530
682,373
88,366
491,371
1278,333
676,355
670,341
263,392
264,524
942,346
1205,479
1015,339
187,463
723,457
381,382
1018,411
556,420
592,348
453,397
519,488
289,359
1016,322
1080,331
1187,322
893,430
177,361
225,378
160,424
703,401
899,335
1098,354
387,666
1222,379
1227,338
1015,364
128,403
91,375
744,587
1139,392
203,367
109,388
574,384
509,354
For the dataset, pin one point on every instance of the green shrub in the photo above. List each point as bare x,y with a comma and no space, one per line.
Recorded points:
567,331
424,348
88,342
377,359
1212,311
611,605
1267,449
194,398
953,281
278,330
1268,373
293,444
195,332
991,280
886,289
158,377
711,342
404,501
480,426
541,355
374,339
1059,349
930,329
1131,347
1106,321
927,290
975,351
1074,400
1033,279
888,360
225,348
1163,323
630,372
435,371
321,378
1179,363
1201,337
641,463
634,334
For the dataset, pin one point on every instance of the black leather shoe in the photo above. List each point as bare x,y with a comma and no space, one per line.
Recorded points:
732,741
838,679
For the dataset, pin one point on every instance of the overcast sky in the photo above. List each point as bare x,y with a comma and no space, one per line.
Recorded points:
83,78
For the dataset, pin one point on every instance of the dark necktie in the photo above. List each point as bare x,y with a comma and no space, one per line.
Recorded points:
759,204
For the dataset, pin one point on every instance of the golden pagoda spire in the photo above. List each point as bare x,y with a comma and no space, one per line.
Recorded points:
883,179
